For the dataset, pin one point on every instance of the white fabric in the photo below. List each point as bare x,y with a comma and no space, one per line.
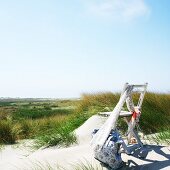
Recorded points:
109,154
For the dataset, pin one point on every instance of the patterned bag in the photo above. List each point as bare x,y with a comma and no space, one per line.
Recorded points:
109,154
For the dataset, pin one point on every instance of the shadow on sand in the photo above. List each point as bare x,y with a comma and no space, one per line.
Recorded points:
151,164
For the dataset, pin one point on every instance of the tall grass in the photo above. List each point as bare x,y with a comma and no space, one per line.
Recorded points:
155,116
35,120
51,126
8,132
41,122
62,134
98,101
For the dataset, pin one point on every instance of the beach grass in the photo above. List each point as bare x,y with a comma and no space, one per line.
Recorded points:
52,123
155,116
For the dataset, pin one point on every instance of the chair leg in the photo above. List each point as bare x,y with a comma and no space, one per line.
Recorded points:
137,138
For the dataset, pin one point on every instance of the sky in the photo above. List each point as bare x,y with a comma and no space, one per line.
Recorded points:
61,49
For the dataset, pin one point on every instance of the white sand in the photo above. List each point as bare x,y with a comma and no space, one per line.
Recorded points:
12,159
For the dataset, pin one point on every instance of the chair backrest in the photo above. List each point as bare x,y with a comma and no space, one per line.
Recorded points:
142,94
138,89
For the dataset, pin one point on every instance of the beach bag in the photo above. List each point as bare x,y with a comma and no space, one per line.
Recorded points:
109,153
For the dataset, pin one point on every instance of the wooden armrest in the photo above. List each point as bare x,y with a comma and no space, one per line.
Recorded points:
125,114
122,113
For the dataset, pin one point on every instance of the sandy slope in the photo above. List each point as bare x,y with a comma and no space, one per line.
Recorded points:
158,157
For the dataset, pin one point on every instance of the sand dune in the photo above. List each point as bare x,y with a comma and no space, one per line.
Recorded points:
68,158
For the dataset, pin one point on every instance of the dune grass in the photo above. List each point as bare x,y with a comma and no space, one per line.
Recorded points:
8,132
49,124
85,165
155,116
52,123
62,134
31,120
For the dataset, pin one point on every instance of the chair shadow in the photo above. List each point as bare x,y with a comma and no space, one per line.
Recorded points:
152,164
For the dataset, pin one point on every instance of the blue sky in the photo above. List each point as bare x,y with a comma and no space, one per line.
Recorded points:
64,48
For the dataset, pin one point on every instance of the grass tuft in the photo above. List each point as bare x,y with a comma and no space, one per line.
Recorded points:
8,132
87,166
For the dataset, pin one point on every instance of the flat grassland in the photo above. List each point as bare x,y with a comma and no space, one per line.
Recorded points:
52,122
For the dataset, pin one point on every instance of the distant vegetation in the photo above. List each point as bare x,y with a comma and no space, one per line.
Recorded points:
46,121
52,122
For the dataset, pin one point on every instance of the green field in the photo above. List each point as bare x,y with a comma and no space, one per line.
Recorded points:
51,122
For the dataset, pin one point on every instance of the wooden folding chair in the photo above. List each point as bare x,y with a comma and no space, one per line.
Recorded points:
131,117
